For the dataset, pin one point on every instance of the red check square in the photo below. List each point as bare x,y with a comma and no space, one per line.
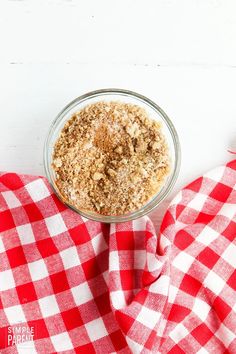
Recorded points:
221,192
208,257
59,282
196,185
72,318
6,221
85,349
103,303
127,279
60,206
47,247
176,350
178,313
230,231
39,327
190,285
183,239
118,340
232,281
204,218
222,309
202,334
33,212
91,268
26,293
80,234
12,181
125,240
16,256
125,321
3,336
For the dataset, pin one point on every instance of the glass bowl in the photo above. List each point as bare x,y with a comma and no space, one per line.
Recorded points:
154,111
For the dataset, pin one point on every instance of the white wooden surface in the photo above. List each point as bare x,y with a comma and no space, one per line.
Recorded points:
180,53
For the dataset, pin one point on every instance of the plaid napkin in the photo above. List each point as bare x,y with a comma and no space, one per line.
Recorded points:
77,286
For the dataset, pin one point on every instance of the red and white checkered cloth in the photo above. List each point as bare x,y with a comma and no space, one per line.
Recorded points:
87,287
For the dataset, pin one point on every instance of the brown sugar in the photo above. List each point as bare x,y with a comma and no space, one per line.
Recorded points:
110,158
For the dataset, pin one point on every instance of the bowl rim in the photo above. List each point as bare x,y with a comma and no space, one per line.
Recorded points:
150,205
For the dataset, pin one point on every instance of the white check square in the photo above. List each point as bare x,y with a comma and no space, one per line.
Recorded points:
177,199
148,318
99,244
225,335
37,190
82,294
61,342
49,306
202,351
38,270
228,210
15,314
96,329
230,255
6,280
153,263
140,224
55,225
201,309
198,201
173,291
164,241
2,248
118,299
135,347
70,257
160,286
139,259
207,236
114,263
11,200
214,282
183,261
27,347
178,333
26,234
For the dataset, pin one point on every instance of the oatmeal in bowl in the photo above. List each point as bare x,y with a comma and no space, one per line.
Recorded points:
112,155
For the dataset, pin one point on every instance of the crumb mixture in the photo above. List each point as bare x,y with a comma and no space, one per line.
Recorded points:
110,158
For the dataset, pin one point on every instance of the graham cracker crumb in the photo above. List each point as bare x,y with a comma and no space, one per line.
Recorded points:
110,158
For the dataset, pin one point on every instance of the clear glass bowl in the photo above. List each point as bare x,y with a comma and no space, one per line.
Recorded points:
154,111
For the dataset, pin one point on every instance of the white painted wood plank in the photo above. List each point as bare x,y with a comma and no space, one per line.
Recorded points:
160,32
